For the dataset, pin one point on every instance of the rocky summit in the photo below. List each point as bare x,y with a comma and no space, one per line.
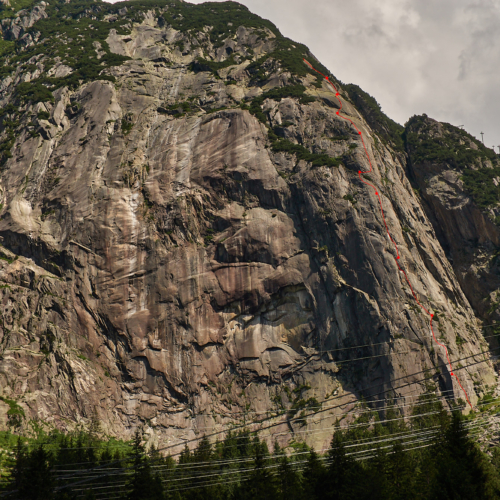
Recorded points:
187,246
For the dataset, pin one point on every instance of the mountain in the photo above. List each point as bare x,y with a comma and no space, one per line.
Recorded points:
186,243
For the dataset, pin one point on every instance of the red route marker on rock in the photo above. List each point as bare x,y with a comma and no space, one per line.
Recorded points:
431,315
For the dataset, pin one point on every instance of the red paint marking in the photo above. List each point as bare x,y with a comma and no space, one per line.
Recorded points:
431,315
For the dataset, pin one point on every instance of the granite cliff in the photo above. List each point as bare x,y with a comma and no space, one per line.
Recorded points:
186,243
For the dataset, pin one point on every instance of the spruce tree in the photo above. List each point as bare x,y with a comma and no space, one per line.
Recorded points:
261,482
34,475
340,471
207,472
143,485
375,483
462,473
289,480
314,477
400,469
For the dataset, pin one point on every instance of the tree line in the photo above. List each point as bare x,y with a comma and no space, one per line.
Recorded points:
428,456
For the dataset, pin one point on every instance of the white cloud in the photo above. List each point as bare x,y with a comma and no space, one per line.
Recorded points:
437,57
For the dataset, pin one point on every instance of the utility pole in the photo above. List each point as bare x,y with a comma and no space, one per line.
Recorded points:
482,138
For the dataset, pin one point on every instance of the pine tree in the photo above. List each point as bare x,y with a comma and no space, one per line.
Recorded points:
20,464
65,452
34,475
185,456
261,483
143,485
426,472
400,468
314,477
340,469
462,473
202,456
244,444
289,480
167,474
230,450
95,428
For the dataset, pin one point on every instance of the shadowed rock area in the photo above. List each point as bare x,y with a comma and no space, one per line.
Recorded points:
186,242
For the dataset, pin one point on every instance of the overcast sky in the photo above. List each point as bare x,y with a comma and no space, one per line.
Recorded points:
440,57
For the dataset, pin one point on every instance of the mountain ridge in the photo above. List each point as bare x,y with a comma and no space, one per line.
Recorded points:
184,234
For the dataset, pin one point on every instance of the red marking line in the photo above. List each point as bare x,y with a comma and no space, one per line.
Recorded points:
397,258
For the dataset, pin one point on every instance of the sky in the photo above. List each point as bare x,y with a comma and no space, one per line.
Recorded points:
439,57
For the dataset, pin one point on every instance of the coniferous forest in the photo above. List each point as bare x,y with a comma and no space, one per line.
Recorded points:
166,166
432,454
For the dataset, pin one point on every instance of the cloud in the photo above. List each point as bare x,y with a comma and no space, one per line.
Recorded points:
435,57
477,58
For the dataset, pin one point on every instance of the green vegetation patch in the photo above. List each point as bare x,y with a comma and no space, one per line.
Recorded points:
225,18
302,153
69,33
213,66
14,408
6,46
178,109
43,115
388,130
297,91
127,124
34,91
15,414
453,147
7,11
479,183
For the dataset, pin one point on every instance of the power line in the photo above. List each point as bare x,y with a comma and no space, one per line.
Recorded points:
196,465
190,465
294,464
421,437
293,419
392,437
410,433
340,396
395,405
359,411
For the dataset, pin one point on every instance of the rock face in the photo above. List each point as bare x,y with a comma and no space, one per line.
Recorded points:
16,28
458,179
168,261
